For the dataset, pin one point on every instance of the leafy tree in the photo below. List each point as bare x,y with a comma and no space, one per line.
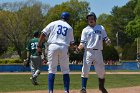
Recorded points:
129,52
10,28
120,18
3,40
133,27
18,26
32,19
3,45
104,19
137,9
110,53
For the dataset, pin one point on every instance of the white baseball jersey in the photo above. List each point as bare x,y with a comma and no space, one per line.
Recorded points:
60,32
92,37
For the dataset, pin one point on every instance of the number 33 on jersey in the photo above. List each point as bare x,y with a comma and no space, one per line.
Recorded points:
59,32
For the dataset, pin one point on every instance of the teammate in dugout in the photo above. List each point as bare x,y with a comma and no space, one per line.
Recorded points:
33,57
92,38
60,37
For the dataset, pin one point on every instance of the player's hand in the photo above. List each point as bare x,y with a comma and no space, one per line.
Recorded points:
77,51
108,42
44,61
27,59
26,62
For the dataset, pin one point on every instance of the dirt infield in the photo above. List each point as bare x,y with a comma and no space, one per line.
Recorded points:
114,90
70,73
135,89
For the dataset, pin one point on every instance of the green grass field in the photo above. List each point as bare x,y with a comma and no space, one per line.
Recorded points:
21,82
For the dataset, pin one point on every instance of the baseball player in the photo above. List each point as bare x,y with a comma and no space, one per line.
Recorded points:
34,58
92,38
60,37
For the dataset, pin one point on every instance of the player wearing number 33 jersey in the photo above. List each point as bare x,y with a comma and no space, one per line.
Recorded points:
60,37
60,32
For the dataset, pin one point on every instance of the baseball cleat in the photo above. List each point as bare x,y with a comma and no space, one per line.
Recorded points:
83,90
103,90
33,79
66,92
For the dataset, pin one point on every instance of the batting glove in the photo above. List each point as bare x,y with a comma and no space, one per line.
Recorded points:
108,42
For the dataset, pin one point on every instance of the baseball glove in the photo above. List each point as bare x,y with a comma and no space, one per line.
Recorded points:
26,62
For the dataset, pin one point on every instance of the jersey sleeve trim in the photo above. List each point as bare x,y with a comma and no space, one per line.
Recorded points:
44,33
105,38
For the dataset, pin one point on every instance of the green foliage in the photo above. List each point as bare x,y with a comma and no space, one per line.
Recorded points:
119,20
133,28
10,61
9,52
24,55
3,45
129,52
137,8
110,53
10,49
76,57
104,19
125,21
17,26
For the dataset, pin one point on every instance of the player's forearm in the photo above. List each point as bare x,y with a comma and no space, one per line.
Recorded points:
44,54
41,40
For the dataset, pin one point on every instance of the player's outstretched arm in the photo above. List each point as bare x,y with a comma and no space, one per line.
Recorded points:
26,61
78,48
41,40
